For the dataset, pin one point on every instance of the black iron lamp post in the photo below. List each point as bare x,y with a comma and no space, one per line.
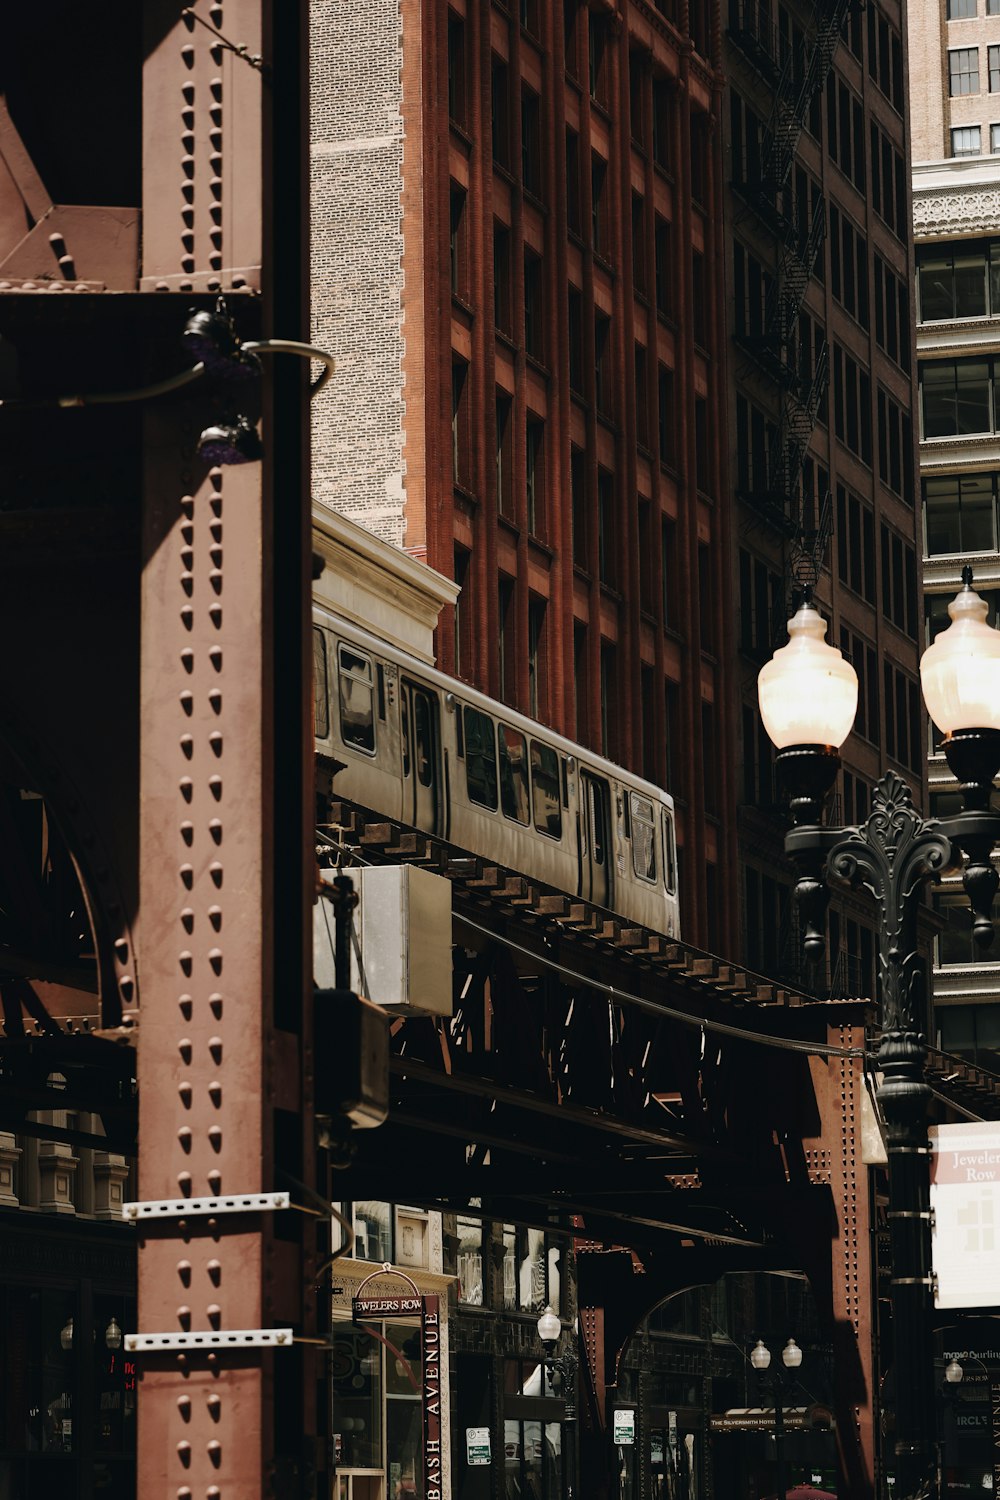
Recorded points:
791,1358
564,1369
808,699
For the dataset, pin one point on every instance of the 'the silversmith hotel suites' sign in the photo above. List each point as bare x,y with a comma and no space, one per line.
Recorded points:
965,1202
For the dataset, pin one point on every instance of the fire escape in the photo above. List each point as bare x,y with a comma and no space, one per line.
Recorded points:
794,70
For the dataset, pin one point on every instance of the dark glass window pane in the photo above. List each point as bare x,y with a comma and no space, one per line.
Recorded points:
513,774
357,718
545,790
480,758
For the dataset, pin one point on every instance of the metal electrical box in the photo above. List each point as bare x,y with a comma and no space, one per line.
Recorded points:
400,940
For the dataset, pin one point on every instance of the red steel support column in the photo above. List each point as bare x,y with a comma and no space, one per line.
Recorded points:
224,1061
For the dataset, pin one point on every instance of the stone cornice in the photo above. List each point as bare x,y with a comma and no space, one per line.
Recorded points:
956,198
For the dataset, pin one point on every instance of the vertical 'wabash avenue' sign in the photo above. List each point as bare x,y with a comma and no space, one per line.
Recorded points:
429,1308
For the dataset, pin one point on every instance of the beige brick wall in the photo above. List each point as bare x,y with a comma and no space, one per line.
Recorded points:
933,112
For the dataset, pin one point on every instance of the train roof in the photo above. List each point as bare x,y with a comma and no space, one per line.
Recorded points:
478,699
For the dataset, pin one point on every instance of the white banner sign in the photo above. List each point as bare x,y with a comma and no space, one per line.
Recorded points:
965,1200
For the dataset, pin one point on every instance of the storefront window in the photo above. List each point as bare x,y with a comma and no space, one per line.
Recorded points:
532,1460
531,1270
377,1417
356,1381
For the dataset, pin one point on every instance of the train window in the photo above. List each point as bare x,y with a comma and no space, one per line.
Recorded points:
643,837
404,730
380,670
357,708
480,758
597,798
513,774
424,736
321,699
669,854
545,800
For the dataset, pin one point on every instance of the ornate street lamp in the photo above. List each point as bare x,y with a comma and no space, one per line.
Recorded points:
791,1358
808,697
564,1368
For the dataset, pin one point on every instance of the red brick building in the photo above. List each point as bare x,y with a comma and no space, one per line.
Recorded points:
560,393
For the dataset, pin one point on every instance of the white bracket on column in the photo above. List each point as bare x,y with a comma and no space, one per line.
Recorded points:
182,1208
243,1338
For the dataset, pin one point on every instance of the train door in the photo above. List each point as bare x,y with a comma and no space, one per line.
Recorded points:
596,846
421,753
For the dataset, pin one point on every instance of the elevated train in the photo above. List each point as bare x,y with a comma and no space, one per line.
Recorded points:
432,753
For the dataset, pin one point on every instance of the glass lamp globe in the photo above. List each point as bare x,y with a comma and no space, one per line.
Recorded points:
760,1355
960,671
113,1334
808,693
791,1355
549,1327
953,1372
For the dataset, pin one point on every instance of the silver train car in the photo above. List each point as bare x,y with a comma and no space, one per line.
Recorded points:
426,750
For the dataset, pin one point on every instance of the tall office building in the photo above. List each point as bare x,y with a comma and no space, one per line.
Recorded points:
820,425
518,261
956,214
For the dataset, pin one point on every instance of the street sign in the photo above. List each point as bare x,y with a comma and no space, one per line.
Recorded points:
477,1446
965,1204
624,1427
385,1307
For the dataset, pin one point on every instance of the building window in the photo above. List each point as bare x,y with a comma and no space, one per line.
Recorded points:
505,475
966,140
534,333
899,582
506,650
641,396
606,570
890,187
994,61
597,56
959,281
501,277
666,416
573,221
865,662
536,659
960,514
855,544
602,364
531,143
578,493
458,258
462,613
500,102
663,121
848,265
534,476
456,69
892,315
963,70
637,93
994,138
669,583
895,447
961,10
460,421
575,300
852,415
956,397
571,45
580,680
663,267
609,714
600,229
902,718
